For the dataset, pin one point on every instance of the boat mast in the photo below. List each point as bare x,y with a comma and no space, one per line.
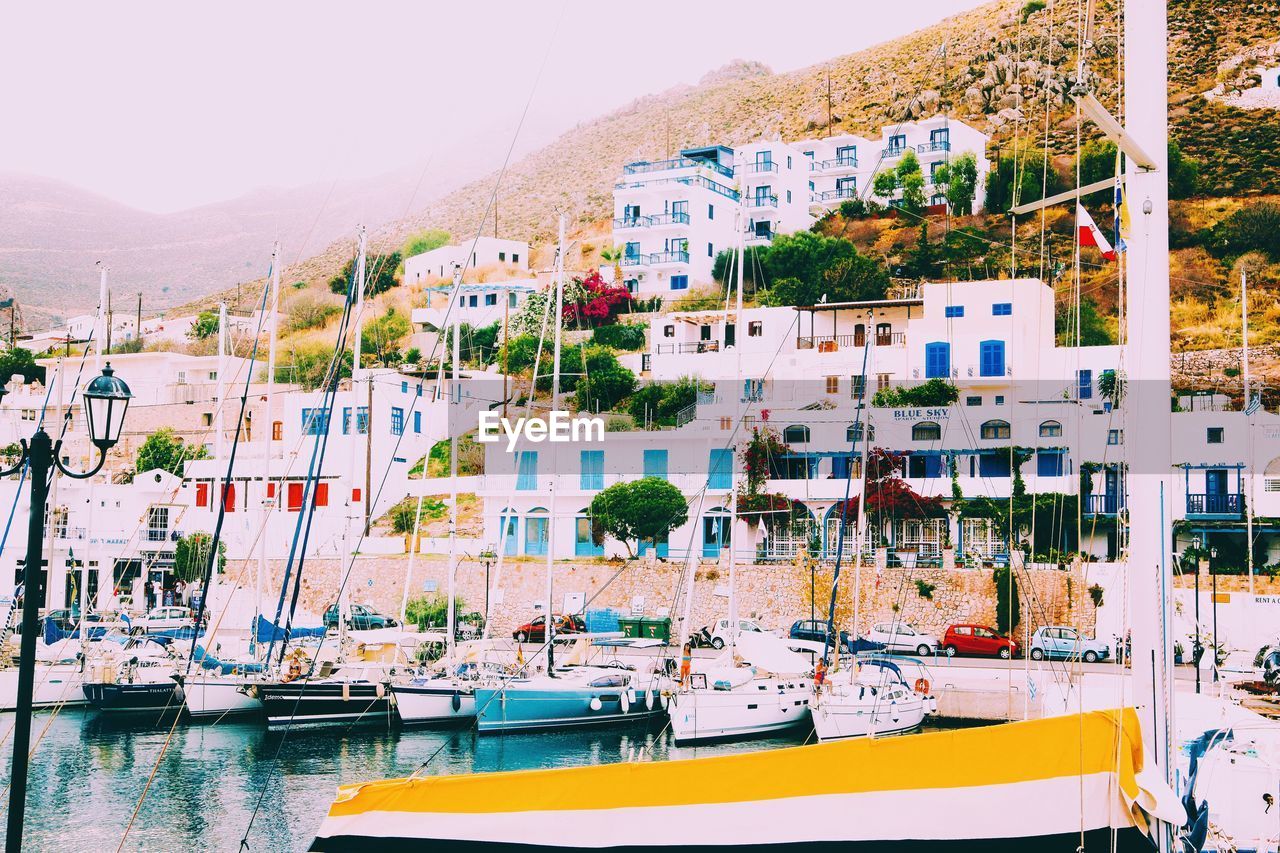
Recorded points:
1147,353
453,424
344,597
1244,357
740,396
557,319
219,411
268,504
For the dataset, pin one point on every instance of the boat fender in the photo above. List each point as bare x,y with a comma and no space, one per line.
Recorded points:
378,690
650,699
625,701
663,700
922,685
456,701
346,692
595,703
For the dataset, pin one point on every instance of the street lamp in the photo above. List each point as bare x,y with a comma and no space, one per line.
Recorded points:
1213,578
106,399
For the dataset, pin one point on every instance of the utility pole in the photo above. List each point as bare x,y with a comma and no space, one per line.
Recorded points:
829,114
137,330
108,334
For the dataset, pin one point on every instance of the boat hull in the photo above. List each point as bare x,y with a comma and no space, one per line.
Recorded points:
312,703
218,697
835,719
138,697
55,685
759,707
518,707
439,704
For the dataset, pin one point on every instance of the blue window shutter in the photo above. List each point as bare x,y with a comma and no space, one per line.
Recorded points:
937,361
992,363
1049,463
592,476
346,420
1002,309
954,311
993,465
655,464
417,422
720,469
1085,383
527,475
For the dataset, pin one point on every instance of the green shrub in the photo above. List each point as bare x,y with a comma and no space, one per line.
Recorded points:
1008,607
621,336
934,392
925,589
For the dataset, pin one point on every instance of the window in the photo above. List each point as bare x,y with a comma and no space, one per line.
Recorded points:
404,387
679,282
417,422
206,418
937,361
668,331
1214,435
720,469
1115,436
320,495
995,429
515,258
999,399
502,256
229,497
655,464
202,494
796,434
854,432
857,386
362,420
755,328
1002,309
397,420
1049,463
991,362
1050,429
788,161
277,431
293,497
511,300
711,250
592,475
833,384
973,401
491,299
711,211
788,196
926,431
473,300
954,311
315,421
1084,384
527,471
883,381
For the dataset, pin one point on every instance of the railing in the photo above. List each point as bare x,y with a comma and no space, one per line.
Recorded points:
651,221
707,398
894,151
839,163
892,339
937,145
691,181
157,534
70,533
757,237
762,201
686,414
644,167
675,256
758,167
688,347
834,195
1103,504
633,260
1219,504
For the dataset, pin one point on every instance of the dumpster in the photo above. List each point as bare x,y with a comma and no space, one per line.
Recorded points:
654,628
631,627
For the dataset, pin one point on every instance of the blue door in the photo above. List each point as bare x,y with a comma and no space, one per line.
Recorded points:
509,542
1215,487
655,464
715,534
582,544
720,469
535,535
937,360
647,545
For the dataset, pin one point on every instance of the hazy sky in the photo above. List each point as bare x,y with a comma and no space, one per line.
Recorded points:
166,105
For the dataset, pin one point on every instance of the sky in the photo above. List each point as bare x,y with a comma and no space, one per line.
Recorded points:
165,106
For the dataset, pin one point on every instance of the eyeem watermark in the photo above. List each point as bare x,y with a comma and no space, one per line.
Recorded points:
556,427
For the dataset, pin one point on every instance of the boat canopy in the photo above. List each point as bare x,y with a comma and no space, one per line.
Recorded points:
267,631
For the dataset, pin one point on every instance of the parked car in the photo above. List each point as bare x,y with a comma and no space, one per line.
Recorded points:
536,631
901,637
1064,643
363,618
720,631
815,630
165,619
978,640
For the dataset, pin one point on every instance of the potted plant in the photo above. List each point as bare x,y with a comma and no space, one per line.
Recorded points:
1177,653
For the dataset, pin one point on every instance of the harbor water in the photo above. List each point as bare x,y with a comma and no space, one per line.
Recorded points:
89,772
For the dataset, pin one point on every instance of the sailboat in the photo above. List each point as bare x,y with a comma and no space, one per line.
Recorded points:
1088,781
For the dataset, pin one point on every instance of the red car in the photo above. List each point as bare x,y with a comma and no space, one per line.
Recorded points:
536,632
977,640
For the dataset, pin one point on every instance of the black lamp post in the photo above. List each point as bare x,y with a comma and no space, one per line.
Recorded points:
106,399
1213,578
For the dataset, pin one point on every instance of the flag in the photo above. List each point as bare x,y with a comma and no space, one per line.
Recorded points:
1091,235
1122,212
1255,403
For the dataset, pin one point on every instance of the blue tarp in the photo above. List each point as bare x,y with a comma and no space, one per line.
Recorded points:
265,631
208,661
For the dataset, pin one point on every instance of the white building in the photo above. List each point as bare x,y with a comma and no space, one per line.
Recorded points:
1270,77
486,252
478,305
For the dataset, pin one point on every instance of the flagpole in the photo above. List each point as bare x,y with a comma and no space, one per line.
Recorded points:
1249,410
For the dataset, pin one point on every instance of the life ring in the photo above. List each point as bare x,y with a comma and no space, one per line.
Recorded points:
922,685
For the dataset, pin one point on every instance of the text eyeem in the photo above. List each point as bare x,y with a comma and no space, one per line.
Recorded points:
556,427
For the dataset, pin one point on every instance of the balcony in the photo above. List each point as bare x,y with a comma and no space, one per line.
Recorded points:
893,151
1224,505
646,167
837,164
677,256
759,238
832,343
759,168
689,347
676,183
634,260
656,221
762,201
1103,504
834,195
936,145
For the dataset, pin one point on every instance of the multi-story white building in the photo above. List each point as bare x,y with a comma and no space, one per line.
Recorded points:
486,252
478,305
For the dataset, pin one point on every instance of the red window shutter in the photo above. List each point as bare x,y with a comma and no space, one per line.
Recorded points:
202,494
271,490
229,497
322,495
355,496
295,497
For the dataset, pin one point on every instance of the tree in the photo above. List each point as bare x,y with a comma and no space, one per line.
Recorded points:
432,611
1093,326
191,556
960,178
424,241
605,383
803,267
18,361
645,509
614,255
1184,174
1035,178
1253,228
592,301
658,403
384,334
165,451
308,365
205,325
1008,606
923,261
380,275
1098,163
310,311
911,182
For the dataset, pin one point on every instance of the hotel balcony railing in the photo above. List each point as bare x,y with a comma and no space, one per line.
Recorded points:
830,343
645,167
1220,504
651,221
837,163
759,237
894,151
690,181
834,195
759,167
936,145
689,347
1103,504
634,260
762,201
676,256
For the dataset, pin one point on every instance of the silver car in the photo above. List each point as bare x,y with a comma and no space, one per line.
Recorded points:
901,637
